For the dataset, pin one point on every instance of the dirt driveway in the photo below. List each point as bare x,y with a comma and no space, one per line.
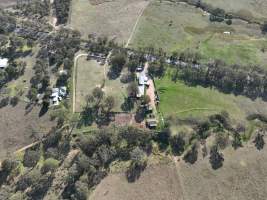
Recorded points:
151,89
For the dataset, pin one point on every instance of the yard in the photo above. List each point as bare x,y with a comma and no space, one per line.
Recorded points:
117,89
90,74
178,27
181,100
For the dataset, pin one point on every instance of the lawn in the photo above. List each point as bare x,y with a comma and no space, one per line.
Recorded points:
90,74
115,88
177,27
184,101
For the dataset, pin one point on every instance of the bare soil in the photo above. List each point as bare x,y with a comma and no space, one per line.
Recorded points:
18,129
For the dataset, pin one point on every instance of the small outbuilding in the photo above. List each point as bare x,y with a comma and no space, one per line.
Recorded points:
152,123
3,63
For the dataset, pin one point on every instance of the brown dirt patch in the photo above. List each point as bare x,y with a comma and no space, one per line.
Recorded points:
18,129
156,183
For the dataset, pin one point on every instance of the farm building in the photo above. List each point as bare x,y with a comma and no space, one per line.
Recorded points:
151,123
142,82
58,94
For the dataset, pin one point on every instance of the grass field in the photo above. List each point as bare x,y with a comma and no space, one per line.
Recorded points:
177,27
253,8
184,101
114,19
241,177
90,74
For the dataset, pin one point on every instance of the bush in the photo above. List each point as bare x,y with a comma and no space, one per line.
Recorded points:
191,155
50,164
259,141
28,180
31,157
4,102
216,158
14,101
178,144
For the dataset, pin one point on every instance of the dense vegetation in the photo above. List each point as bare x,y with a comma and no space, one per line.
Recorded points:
62,8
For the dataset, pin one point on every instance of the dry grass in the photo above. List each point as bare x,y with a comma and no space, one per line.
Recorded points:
6,3
114,19
156,183
243,176
18,129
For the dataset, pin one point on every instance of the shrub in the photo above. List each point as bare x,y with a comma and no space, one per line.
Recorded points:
216,158
4,102
50,164
178,144
31,157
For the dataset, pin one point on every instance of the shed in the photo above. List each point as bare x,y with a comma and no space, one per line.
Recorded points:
152,123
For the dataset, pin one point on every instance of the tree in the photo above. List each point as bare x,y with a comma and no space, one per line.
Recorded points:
140,114
216,158
98,94
259,141
14,100
138,164
163,138
132,65
191,155
81,190
264,27
117,63
109,103
237,142
31,157
132,89
50,164
222,139
178,144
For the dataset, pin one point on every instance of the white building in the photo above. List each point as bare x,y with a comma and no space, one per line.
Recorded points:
3,63
58,94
